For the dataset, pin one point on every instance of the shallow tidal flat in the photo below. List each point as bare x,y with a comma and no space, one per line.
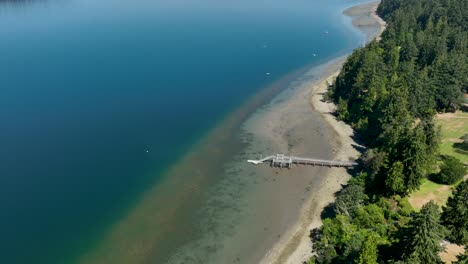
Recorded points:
248,209
167,208
244,210
127,126
364,18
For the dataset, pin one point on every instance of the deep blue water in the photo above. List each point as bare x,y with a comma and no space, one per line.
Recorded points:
94,95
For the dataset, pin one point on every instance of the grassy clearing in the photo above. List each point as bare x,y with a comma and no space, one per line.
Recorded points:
453,126
430,191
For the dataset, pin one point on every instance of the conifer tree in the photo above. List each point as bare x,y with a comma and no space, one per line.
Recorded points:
415,157
395,181
455,214
421,240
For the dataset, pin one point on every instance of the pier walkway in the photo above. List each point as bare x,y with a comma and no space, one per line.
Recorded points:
282,161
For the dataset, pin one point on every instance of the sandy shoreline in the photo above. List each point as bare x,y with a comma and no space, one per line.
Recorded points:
243,211
365,18
295,246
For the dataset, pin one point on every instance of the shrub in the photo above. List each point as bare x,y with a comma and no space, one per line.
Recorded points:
464,144
342,109
451,171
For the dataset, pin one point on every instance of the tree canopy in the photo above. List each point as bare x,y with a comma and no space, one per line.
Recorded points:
421,240
389,92
451,171
455,214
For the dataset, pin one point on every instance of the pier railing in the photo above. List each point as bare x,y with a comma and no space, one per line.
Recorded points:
283,161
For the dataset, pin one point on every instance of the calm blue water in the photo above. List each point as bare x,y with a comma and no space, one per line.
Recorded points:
96,94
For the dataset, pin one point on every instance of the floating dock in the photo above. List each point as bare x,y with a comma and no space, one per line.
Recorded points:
283,161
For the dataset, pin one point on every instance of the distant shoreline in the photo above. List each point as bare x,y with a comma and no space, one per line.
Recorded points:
295,246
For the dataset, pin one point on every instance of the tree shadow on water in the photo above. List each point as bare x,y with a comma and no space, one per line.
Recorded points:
20,3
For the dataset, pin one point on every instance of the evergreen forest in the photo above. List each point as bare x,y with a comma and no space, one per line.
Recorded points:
389,92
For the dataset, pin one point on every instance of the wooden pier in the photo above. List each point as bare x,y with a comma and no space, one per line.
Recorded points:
283,161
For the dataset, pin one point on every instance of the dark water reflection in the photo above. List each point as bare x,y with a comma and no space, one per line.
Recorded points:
21,3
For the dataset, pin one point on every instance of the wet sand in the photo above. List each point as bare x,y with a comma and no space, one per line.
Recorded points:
252,207
364,18
296,246
164,217
250,212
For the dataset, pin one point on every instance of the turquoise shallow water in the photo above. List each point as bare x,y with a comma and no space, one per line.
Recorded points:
98,98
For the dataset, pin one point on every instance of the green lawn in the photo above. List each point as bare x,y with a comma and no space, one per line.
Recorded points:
453,126
430,191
